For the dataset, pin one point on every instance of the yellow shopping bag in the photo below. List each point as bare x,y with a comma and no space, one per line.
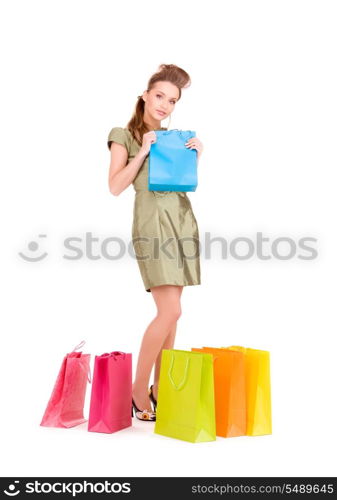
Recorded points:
186,407
258,390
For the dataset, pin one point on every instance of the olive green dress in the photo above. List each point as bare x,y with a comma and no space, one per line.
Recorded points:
165,233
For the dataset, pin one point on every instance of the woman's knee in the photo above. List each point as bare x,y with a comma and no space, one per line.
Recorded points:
176,313
170,315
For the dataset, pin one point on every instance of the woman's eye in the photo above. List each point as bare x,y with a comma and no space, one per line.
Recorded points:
172,102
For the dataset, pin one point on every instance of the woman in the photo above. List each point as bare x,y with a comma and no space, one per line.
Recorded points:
162,220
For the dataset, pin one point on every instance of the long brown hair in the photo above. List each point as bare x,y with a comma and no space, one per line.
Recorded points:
167,73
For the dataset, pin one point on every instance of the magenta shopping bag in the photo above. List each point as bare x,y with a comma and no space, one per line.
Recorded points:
65,406
111,393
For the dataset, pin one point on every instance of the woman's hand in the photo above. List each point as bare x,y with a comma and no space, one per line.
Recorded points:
148,139
195,143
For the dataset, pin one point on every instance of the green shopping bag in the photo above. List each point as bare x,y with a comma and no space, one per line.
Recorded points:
186,408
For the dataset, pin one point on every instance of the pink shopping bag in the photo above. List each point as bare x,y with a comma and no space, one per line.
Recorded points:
111,393
65,406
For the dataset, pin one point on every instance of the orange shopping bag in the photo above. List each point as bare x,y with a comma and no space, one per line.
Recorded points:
229,391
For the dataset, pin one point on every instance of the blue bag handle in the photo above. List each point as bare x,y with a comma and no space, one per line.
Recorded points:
165,132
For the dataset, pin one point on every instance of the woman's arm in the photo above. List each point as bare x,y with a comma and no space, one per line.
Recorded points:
122,174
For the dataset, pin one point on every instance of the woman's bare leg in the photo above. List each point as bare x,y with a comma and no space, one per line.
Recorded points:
168,344
167,299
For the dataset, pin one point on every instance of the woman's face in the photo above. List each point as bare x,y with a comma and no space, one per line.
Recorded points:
162,97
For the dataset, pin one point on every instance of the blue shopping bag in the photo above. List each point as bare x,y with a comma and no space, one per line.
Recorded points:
172,166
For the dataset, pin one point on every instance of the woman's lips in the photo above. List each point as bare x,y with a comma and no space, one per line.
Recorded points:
160,112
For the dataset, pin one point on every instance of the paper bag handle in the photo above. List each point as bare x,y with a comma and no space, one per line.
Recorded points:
116,355
81,344
178,130
178,387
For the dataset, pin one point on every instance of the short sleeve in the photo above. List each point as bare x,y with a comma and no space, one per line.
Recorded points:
118,134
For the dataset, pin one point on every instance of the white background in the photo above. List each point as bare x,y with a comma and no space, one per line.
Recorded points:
263,103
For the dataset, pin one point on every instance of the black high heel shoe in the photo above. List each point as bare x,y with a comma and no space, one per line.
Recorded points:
147,415
153,399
